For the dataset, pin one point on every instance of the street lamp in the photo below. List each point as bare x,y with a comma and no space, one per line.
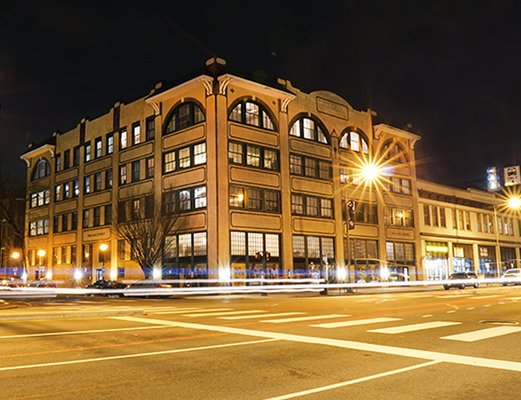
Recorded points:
513,202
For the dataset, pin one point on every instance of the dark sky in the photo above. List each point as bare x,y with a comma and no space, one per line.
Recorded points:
450,69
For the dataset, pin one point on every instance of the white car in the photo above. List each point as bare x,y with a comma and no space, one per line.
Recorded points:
512,276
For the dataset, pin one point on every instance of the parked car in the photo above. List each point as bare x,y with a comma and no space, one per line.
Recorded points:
11,283
103,284
512,276
468,278
398,277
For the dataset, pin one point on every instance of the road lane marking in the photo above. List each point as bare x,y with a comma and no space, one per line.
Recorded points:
514,298
482,334
298,319
491,296
124,356
470,308
414,327
451,296
178,311
353,381
263,315
427,315
355,322
77,332
344,344
212,314
451,312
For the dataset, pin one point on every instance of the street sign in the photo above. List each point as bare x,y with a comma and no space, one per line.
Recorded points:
350,211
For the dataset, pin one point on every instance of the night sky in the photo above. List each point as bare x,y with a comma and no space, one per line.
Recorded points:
448,70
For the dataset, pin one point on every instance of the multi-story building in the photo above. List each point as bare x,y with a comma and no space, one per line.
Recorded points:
258,173
466,230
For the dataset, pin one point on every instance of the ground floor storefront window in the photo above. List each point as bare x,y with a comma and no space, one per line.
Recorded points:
363,258
436,261
255,255
462,258
313,257
185,256
508,258
488,267
401,260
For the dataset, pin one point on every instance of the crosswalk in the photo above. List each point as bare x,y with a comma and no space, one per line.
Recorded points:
391,325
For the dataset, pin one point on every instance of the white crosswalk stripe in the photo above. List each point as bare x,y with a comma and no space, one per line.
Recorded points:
482,334
263,315
414,327
310,318
180,311
212,314
355,322
452,296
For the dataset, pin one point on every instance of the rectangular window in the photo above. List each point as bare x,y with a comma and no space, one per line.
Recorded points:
108,214
200,154
66,159
122,174
235,154
76,156
123,139
435,218
271,201
75,188
98,151
236,197
67,190
253,156
150,131
312,206
468,226
86,218
295,164
149,172
185,202
96,216
136,133
56,224
87,187
406,186
58,162
310,167
97,182
122,254
65,222
297,204
271,159
443,218
169,162
64,259
324,170
184,157
169,202
326,208
87,150
137,209
238,243
254,199
110,143
58,193
136,171
73,254
74,220
108,178
426,215
200,197
344,174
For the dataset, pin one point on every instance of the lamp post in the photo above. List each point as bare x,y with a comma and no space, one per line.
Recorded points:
41,254
15,255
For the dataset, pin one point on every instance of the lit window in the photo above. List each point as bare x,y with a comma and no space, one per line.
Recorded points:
251,113
310,129
184,116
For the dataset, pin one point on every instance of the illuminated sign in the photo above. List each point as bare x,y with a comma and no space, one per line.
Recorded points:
492,179
437,248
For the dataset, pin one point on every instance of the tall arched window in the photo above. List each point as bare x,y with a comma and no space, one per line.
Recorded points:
41,169
309,128
184,116
251,113
355,141
394,152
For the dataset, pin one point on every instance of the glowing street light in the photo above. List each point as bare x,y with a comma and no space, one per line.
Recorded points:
370,171
514,202
103,247
15,255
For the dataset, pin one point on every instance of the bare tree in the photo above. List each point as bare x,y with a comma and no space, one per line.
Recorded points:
12,215
145,226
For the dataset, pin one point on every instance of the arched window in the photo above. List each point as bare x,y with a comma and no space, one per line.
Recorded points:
41,169
184,116
308,128
251,113
354,141
394,152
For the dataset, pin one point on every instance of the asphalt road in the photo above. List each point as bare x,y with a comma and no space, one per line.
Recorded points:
457,344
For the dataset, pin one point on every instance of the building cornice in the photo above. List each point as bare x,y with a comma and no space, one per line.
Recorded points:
46,148
226,79
380,128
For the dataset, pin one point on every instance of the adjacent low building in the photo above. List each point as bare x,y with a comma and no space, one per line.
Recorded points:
258,175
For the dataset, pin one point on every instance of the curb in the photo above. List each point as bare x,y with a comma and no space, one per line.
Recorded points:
67,315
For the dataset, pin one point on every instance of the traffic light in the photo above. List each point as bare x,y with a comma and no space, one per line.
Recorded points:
350,213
